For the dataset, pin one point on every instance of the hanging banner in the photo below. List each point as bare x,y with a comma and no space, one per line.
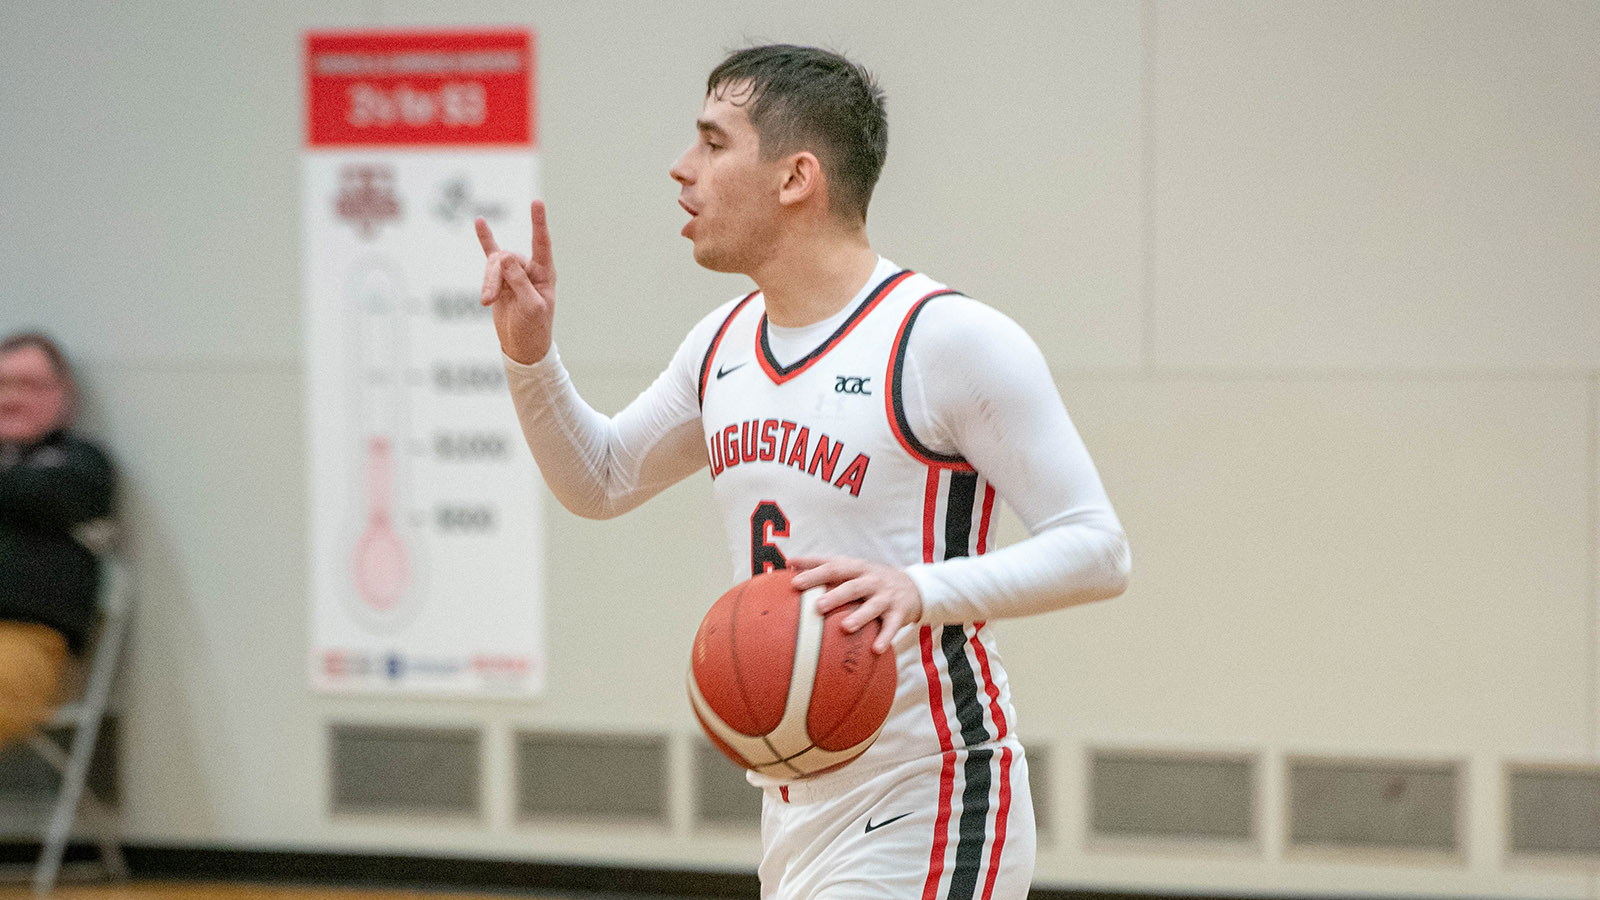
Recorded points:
427,572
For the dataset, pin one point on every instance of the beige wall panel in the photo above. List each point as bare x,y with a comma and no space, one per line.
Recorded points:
1364,566
219,740
1376,185
151,208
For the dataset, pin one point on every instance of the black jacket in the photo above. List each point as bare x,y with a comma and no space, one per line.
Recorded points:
46,489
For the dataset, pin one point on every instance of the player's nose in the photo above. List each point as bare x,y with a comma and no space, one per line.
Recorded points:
680,170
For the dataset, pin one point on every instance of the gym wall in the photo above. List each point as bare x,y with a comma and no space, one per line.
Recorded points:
1320,284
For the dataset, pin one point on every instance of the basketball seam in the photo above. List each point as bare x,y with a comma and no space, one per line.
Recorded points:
802,677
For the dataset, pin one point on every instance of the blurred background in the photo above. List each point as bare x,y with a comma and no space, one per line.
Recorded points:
1320,285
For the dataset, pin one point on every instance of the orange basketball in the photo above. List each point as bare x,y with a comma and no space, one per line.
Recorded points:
783,690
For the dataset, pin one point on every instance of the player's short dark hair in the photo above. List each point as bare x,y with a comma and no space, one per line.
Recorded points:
806,98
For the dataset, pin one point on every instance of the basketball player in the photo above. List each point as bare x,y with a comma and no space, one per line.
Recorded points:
859,422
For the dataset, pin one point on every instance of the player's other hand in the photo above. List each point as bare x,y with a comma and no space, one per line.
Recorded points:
522,291
887,593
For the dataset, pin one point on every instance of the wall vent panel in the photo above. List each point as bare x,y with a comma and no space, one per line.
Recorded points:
1171,796
592,776
1554,811
405,771
1367,804
722,796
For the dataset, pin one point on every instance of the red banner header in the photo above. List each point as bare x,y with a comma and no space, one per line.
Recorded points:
419,88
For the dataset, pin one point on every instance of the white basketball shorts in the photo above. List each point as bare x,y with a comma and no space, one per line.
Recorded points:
956,826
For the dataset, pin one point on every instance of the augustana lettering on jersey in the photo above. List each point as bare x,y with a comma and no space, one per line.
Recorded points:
785,443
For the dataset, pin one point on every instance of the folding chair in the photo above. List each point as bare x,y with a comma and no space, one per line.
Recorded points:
83,717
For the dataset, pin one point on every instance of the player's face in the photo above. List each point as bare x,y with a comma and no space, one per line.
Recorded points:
730,194
32,395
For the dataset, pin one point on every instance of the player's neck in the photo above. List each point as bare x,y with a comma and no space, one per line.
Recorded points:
813,279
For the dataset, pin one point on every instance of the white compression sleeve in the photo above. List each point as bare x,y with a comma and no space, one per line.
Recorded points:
976,385
599,466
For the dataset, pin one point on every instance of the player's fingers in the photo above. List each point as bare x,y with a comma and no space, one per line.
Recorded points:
485,237
839,584
541,236
844,594
874,605
892,620
819,570
808,577
517,277
491,278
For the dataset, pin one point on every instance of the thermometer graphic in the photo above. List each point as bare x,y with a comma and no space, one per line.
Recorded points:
382,566
379,565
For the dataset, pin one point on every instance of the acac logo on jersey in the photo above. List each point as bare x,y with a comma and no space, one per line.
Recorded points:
851,384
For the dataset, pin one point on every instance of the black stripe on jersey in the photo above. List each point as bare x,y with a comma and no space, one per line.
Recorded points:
838,334
972,832
963,686
897,378
716,340
962,495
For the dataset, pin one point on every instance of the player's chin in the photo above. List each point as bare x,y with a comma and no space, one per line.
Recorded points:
708,256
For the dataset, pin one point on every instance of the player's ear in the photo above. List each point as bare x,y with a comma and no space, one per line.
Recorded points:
802,178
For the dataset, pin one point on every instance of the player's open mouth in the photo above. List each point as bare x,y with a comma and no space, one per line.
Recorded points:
693,214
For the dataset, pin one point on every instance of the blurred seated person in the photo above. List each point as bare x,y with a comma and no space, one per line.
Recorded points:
55,503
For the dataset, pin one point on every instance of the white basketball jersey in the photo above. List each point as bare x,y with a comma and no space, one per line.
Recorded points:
816,458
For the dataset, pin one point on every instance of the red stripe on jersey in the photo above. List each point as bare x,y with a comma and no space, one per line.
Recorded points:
983,523
930,511
891,397
989,687
705,365
779,376
1000,816
947,773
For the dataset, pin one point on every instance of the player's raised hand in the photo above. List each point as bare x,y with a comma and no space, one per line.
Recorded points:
886,592
521,290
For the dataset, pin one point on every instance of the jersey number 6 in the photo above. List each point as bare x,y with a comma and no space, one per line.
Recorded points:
766,523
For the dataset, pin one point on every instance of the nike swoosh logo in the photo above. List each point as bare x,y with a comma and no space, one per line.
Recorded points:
721,371
871,827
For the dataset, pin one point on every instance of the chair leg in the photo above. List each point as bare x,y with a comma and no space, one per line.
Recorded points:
110,844
115,864
73,780
48,868
48,751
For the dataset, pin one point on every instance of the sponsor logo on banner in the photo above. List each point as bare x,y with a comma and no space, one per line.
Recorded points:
502,671
342,664
456,204
367,198
399,665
